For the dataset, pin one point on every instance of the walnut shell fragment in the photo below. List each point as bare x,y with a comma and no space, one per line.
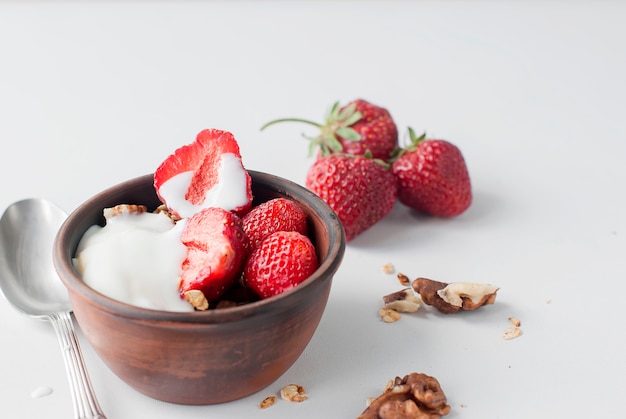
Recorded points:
403,301
452,297
403,279
415,396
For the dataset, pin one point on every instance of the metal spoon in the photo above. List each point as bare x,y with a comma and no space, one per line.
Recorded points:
29,282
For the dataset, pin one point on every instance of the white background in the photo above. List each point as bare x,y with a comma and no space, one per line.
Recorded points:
93,93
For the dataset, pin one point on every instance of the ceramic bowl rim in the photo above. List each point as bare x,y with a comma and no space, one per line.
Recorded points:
64,250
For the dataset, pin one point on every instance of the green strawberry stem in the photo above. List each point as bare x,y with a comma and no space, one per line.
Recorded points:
306,121
338,123
414,140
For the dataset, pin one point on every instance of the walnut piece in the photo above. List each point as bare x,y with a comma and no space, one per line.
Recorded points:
123,209
165,210
197,299
403,301
293,393
415,396
267,402
468,295
456,296
388,315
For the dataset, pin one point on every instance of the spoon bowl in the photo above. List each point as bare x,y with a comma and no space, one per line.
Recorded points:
29,282
27,275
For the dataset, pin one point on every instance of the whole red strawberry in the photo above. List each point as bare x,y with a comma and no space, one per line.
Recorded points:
280,262
356,128
361,190
216,250
432,177
279,214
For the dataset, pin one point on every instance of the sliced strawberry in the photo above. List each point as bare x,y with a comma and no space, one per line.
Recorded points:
185,159
207,173
280,262
279,214
216,250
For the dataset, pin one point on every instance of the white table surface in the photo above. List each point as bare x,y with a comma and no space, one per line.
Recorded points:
93,93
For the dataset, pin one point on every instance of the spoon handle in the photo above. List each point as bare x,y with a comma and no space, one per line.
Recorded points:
85,403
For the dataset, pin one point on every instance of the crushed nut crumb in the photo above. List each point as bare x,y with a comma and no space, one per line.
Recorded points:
515,321
403,279
197,299
388,315
163,209
512,333
123,209
267,402
293,393
388,268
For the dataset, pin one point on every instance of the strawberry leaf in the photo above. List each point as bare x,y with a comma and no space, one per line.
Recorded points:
346,112
414,138
339,129
333,113
348,133
334,144
352,119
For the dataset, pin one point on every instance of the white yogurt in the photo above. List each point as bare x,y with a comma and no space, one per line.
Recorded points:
229,193
135,258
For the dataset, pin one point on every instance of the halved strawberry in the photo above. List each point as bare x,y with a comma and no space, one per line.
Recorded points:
206,173
280,262
278,214
216,249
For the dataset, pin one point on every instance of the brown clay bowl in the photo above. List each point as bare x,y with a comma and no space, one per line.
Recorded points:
206,357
